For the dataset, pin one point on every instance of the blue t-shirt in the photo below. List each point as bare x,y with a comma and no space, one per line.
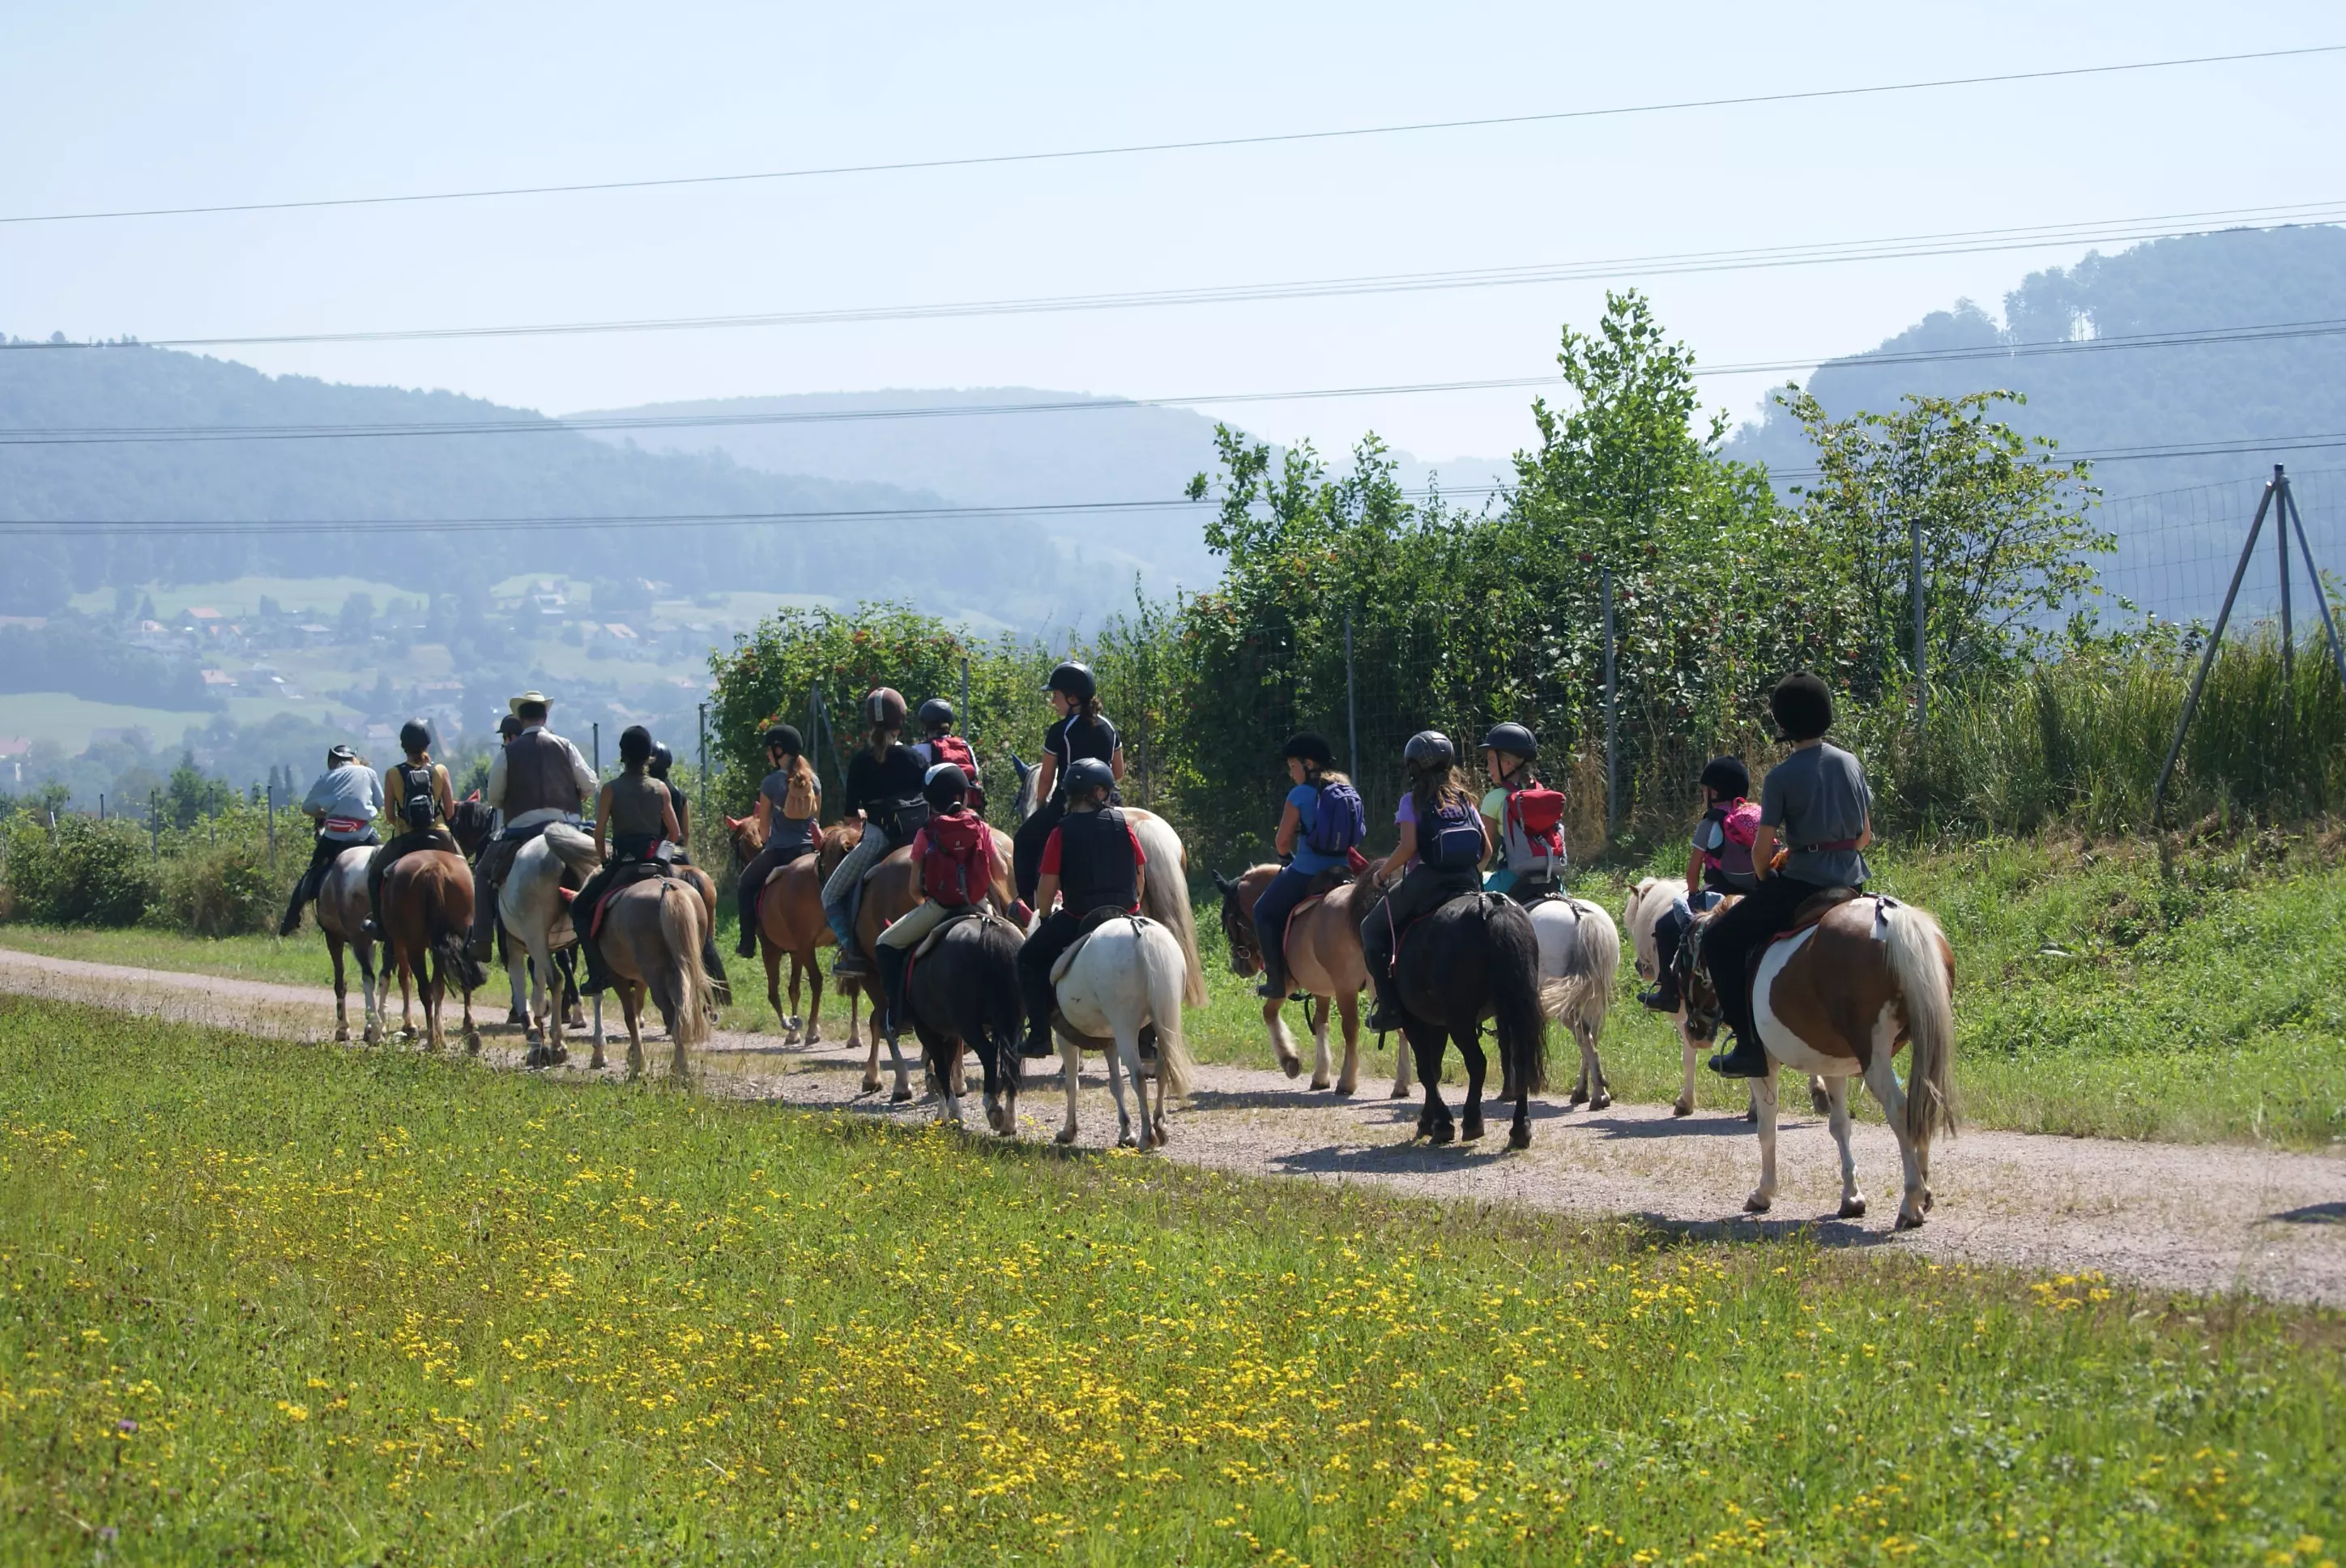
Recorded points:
1305,799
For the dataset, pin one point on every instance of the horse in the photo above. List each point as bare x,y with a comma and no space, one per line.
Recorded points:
1475,957
963,994
427,918
1164,897
1649,900
1836,997
1124,977
1579,953
471,823
790,924
652,930
1323,960
530,905
341,915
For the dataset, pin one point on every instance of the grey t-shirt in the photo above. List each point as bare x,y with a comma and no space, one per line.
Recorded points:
1816,796
788,831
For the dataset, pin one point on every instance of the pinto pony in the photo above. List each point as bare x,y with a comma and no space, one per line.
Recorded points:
1579,954
1477,957
1649,900
427,916
1164,896
1323,960
1836,997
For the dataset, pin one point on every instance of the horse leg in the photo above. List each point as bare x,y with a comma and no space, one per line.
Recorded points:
1882,1077
472,1030
1763,1101
1820,1097
872,1053
1274,1019
1470,1047
774,957
1348,1009
1115,1065
518,981
1852,1202
1519,1126
631,1007
1316,1011
1592,1066
1684,1104
368,991
1434,1118
341,991
904,1090
812,1033
1071,1062
431,982
407,978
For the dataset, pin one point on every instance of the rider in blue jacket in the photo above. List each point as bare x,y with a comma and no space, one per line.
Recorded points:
1311,770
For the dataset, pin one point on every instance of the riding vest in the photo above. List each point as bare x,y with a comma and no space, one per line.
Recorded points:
538,776
1096,869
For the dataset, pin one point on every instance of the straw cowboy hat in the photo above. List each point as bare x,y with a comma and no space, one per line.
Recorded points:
525,698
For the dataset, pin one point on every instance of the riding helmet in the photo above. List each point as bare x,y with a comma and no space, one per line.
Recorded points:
1726,778
1086,774
635,744
509,726
415,735
786,737
1429,751
1073,679
936,714
944,786
1512,739
662,760
883,709
1803,706
1310,745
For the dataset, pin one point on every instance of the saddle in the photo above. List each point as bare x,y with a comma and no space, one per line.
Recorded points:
625,874
1814,908
1320,886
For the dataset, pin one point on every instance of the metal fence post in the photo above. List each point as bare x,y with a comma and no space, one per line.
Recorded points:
598,748
2207,661
1914,592
1351,703
2287,636
101,805
1612,715
154,824
968,726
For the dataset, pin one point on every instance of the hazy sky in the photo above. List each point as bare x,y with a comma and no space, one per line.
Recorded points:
112,105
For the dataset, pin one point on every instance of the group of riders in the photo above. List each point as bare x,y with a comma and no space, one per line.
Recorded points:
1077,856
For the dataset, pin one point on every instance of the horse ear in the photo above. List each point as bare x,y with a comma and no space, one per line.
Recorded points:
1023,769
1223,882
473,798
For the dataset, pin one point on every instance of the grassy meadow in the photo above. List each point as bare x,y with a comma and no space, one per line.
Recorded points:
281,1301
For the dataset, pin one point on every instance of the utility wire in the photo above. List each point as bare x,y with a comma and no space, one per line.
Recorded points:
1129,150
596,423
1952,243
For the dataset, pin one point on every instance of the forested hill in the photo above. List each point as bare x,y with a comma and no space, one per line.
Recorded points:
1006,570
2131,397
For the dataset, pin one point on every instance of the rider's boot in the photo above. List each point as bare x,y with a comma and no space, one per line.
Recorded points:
1385,1017
481,944
598,979
1274,978
892,986
1662,996
1038,1043
292,920
1747,1058
746,947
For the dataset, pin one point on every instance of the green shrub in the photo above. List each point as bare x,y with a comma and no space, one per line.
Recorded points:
224,889
79,872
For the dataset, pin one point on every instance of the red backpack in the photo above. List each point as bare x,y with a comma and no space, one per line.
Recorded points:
952,748
1535,828
957,844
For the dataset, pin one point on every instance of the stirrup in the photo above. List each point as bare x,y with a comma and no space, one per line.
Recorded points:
1385,1017
1739,1062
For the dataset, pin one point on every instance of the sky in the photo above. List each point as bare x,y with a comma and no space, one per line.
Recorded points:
125,105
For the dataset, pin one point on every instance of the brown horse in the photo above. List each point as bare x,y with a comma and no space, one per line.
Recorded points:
427,915
790,924
1837,998
1323,960
651,934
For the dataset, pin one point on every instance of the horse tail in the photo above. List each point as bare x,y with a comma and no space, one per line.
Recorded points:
1513,978
680,929
451,949
1916,952
1177,1070
1165,899
1600,946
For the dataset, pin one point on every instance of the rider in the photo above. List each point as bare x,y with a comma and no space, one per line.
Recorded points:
1719,864
938,744
539,778
1091,861
789,802
1816,804
681,804
883,787
1081,730
633,814
1440,856
1312,846
417,796
954,853
1523,818
343,803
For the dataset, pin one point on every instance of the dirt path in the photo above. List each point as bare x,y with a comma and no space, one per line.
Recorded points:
2176,1217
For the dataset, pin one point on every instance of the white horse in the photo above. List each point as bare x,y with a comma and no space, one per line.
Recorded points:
1164,895
1125,975
1649,900
1579,953
530,907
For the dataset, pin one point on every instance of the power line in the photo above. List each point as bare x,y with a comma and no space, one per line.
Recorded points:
1951,243
540,424
1198,145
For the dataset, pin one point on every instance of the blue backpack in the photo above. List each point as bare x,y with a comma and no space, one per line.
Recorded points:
1452,840
1341,822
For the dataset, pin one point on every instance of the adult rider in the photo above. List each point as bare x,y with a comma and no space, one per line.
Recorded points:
343,803
1091,861
539,778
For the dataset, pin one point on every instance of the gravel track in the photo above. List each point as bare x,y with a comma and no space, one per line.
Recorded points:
2188,1218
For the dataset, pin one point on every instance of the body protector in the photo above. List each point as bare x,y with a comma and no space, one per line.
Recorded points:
1096,869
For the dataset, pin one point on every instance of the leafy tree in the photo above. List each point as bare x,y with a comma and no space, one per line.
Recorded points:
187,794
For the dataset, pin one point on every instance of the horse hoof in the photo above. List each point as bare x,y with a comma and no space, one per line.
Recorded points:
1064,1135
1908,1221
516,1019
342,1035
1853,1208
1927,1200
1291,1066
1680,1108
1470,1131
1519,1137
1755,1204
1602,1101
1819,1102
1751,1113
1443,1133
472,1042
900,1097
1399,1092
1126,1141
1579,1096
1320,1085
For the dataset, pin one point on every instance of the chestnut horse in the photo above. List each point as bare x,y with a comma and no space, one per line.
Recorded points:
1323,960
427,916
651,931
1837,998
790,924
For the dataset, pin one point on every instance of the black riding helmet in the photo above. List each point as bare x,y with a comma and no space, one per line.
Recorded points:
936,714
1726,778
1073,679
415,736
1512,739
509,726
635,744
1803,706
1428,751
944,786
883,709
786,737
1310,745
662,760
1086,774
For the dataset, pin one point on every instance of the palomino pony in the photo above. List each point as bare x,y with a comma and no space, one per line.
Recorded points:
1475,957
1649,900
790,924
1836,997
1164,895
1123,978
427,918
652,932
1323,960
341,915
963,994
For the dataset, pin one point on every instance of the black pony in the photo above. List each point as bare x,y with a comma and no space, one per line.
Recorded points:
964,994
1474,957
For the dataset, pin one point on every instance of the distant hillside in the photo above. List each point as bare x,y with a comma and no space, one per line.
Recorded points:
1003,570
1107,449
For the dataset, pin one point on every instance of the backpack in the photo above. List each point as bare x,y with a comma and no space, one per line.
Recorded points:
952,748
416,807
1453,840
1738,828
954,839
1535,830
1341,822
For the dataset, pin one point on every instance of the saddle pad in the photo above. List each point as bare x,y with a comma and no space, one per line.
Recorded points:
628,876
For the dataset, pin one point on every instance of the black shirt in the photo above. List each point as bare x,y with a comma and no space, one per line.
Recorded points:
1074,736
877,785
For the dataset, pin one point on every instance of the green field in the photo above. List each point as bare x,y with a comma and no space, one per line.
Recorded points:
270,1300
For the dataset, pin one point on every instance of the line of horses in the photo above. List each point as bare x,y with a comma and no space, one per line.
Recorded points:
1836,998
